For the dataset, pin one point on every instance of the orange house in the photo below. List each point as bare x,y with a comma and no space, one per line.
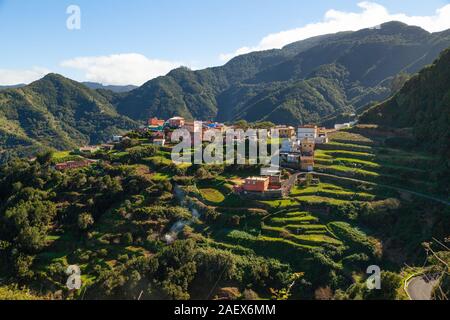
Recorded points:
155,122
257,184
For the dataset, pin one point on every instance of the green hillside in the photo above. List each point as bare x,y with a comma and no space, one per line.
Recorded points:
58,113
422,107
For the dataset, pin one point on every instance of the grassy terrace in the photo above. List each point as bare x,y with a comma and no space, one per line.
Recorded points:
316,218
289,229
357,156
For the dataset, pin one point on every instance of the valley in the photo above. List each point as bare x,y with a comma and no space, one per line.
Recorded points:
87,178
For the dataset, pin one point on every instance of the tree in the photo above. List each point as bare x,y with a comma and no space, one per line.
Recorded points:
23,265
44,158
85,221
390,283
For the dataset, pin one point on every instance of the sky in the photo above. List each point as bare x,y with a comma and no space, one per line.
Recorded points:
132,41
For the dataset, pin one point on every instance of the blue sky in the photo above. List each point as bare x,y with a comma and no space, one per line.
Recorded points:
132,41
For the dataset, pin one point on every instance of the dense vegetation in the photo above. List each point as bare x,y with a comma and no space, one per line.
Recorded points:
146,228
422,107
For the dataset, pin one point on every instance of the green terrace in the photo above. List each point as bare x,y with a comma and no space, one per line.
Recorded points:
356,156
291,229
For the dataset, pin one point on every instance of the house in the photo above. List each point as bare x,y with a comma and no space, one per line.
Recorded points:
307,146
289,145
155,128
290,160
176,122
117,139
195,128
285,131
307,163
308,131
74,164
346,125
274,175
159,142
89,149
214,126
107,147
322,136
155,122
256,184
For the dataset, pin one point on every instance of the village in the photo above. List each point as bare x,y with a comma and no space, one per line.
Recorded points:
296,152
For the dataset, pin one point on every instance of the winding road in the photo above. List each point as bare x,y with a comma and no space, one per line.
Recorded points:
421,287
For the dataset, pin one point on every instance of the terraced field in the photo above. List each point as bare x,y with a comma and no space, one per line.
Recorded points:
322,227
299,227
356,156
293,228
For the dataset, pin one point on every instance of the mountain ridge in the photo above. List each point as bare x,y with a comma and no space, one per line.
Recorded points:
304,82
56,112
340,72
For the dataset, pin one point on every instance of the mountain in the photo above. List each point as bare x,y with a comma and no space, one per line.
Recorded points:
56,112
116,89
304,82
308,81
423,107
12,86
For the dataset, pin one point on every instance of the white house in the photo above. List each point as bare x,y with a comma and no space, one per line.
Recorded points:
290,145
117,139
342,126
305,132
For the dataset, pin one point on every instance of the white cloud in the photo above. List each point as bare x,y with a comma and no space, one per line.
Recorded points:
121,69
12,77
372,14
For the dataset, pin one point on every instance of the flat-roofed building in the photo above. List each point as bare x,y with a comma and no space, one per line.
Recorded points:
256,184
88,149
176,122
307,131
155,122
322,136
285,131
274,175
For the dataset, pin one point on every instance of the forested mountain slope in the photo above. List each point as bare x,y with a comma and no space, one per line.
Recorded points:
422,105
55,112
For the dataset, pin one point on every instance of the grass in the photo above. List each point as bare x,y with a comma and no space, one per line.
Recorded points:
327,190
212,195
62,156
